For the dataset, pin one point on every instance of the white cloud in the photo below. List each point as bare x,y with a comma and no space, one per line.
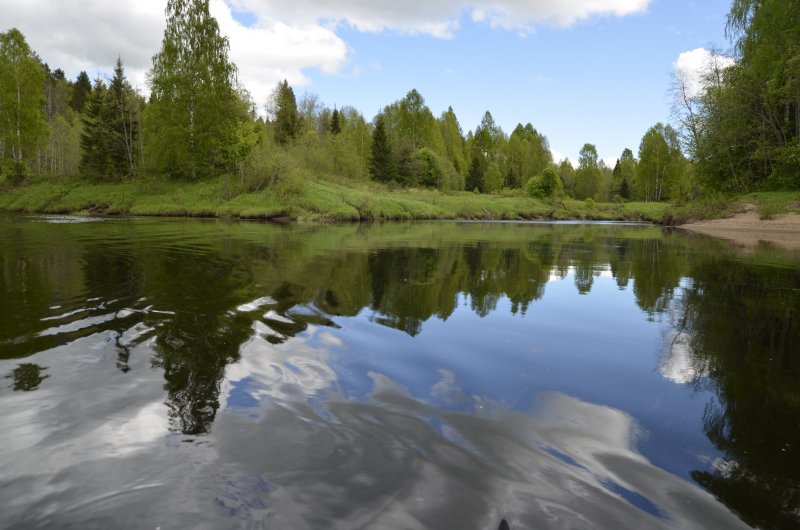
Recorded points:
558,156
89,35
440,18
691,65
270,50
286,37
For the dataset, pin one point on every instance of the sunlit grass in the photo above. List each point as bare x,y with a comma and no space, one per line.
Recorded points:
314,200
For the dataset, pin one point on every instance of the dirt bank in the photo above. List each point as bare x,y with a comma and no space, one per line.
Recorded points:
746,229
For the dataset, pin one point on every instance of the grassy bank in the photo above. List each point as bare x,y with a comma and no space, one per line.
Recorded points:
317,201
768,205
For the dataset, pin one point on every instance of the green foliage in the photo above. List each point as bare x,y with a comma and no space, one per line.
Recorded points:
194,111
535,187
437,171
287,120
410,122
382,165
744,127
661,164
624,175
567,175
453,140
711,206
336,123
81,90
22,103
771,205
474,181
111,129
588,177
527,153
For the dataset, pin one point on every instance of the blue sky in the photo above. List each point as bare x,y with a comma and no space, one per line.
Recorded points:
602,81
580,71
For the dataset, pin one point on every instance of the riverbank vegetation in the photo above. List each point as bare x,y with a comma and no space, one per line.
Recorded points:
197,144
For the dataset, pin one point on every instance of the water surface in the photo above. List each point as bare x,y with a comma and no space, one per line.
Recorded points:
204,374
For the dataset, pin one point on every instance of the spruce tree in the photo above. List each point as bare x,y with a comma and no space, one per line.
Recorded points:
81,89
287,119
110,134
382,167
96,137
336,125
475,174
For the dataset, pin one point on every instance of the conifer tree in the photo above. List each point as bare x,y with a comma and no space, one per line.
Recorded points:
382,166
287,119
81,89
336,125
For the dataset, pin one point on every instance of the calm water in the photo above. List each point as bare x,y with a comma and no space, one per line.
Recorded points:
189,374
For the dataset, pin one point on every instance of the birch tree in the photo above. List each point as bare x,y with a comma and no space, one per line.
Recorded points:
22,104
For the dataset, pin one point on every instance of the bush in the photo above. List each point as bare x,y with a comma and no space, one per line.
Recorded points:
289,184
548,184
535,187
18,174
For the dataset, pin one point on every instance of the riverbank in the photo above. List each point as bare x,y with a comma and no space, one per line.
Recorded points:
746,228
313,201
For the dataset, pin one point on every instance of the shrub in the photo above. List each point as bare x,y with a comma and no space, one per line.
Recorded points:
535,187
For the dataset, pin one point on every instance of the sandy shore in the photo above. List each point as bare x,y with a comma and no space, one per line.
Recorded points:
746,229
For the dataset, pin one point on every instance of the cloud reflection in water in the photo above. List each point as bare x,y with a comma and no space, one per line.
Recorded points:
397,461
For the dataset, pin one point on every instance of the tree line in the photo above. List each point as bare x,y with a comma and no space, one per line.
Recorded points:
742,129
199,122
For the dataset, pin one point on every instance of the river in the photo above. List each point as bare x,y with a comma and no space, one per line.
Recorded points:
160,373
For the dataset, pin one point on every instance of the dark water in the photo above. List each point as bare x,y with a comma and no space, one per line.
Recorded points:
188,374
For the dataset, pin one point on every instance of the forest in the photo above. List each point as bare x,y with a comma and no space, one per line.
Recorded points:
740,133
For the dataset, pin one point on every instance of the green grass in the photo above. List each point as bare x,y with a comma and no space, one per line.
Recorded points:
717,206
711,207
772,204
316,201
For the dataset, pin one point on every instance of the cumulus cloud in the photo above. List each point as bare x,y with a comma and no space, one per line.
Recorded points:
440,18
691,66
89,35
271,50
281,39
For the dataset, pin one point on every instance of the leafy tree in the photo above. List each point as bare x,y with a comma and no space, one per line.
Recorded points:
660,163
567,174
81,89
382,166
548,184
196,112
22,103
589,177
410,126
744,127
527,153
436,171
453,139
483,155
624,174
